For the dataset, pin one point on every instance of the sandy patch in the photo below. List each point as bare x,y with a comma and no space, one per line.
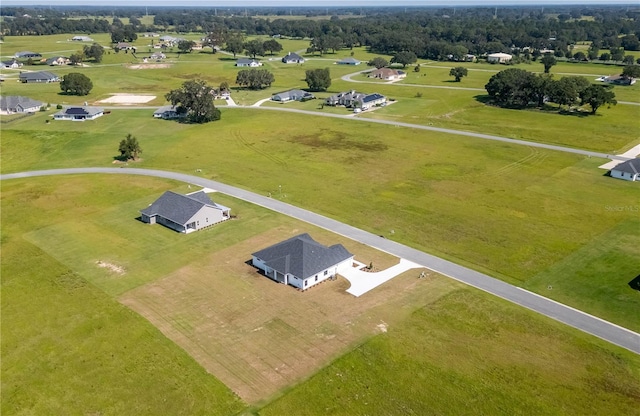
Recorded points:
112,267
128,99
149,66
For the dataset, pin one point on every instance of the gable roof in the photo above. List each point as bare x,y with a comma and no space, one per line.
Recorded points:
631,166
180,208
293,94
302,256
27,54
292,56
45,75
349,60
11,102
81,111
246,61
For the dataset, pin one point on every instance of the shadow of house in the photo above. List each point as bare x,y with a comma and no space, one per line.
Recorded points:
635,283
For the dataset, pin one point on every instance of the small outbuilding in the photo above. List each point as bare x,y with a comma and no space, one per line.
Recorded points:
629,170
302,262
185,213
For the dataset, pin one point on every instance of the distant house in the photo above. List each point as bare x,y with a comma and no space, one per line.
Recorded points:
124,46
301,261
11,64
78,113
58,60
499,58
617,80
355,99
39,76
292,95
185,213
248,62
157,56
629,170
349,61
81,39
150,35
12,104
27,54
167,112
293,58
387,74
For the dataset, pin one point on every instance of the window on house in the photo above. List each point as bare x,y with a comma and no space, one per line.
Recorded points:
326,272
305,282
316,278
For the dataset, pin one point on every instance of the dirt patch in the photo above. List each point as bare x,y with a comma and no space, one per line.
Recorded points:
258,336
111,267
149,66
328,139
128,99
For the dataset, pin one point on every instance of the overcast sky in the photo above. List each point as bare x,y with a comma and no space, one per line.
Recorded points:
308,3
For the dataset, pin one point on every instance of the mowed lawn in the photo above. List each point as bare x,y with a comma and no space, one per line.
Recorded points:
422,345
508,210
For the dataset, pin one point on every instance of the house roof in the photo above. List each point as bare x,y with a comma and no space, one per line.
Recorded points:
11,102
373,97
11,62
500,55
292,56
27,54
165,108
46,75
349,60
246,61
302,256
80,111
631,166
56,58
385,72
180,208
292,94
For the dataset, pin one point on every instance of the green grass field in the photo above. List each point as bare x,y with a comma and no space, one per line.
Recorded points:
532,217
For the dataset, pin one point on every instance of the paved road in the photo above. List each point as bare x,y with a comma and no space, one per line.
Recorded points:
575,318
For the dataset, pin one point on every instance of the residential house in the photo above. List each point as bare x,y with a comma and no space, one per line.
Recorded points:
39,76
302,262
499,58
292,95
371,100
12,104
617,80
58,60
629,170
27,55
11,64
349,61
248,62
124,46
347,99
79,113
185,213
293,58
150,35
81,39
387,74
167,112
157,56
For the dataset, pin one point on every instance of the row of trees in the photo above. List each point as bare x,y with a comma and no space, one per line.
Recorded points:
517,88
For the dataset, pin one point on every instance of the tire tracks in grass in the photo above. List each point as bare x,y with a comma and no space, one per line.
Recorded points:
237,135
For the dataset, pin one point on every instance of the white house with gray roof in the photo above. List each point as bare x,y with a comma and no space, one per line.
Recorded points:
185,213
12,104
79,113
38,76
293,58
292,95
253,63
302,262
629,170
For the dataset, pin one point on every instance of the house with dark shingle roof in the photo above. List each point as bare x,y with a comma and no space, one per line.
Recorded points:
292,95
27,54
17,104
185,213
293,58
39,76
349,61
301,261
629,170
12,64
79,113
372,100
248,62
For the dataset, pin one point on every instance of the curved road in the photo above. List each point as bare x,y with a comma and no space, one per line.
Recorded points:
570,316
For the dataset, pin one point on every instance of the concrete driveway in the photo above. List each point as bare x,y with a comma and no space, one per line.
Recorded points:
362,282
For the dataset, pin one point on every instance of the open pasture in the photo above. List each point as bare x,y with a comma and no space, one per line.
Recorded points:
457,197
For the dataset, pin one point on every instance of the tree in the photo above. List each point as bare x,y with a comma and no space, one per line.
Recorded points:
580,56
129,33
254,78
567,90
598,95
272,46
254,47
129,148
94,52
628,60
318,79
234,44
185,46
117,35
76,83
548,61
458,72
76,59
631,71
216,38
605,57
195,99
378,62
512,87
617,54
405,58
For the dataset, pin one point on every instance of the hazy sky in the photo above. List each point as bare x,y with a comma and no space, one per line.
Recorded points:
309,3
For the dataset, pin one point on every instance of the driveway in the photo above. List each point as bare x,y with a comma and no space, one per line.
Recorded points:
362,282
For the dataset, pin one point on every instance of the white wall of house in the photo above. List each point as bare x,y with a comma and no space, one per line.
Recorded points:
207,216
627,176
